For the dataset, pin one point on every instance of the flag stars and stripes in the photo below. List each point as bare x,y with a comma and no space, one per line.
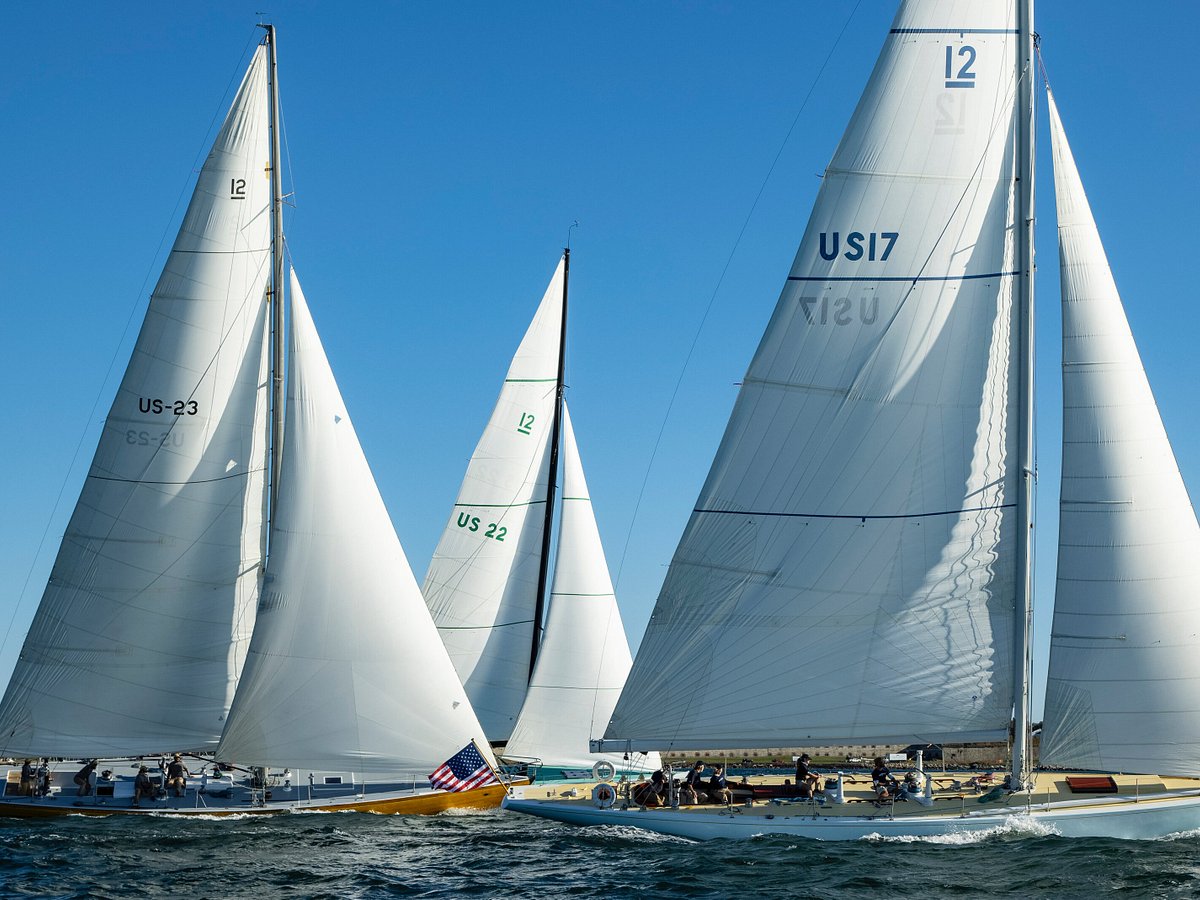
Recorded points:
465,770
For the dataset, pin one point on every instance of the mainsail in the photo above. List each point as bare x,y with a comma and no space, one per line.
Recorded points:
1123,692
345,671
848,573
584,657
138,641
482,583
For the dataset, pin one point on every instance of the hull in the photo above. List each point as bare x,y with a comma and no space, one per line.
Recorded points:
1130,813
407,802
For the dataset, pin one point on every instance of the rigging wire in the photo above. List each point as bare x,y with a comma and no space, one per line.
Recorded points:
136,304
997,122
720,280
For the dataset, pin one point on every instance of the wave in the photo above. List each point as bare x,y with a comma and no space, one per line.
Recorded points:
1014,826
630,833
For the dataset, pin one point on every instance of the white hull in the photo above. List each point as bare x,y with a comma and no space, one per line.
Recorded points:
1135,819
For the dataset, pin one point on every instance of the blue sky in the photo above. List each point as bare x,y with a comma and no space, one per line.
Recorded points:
439,154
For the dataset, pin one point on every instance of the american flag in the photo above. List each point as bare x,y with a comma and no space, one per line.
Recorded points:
465,770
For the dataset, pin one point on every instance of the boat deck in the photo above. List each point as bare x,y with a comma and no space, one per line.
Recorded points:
236,795
956,794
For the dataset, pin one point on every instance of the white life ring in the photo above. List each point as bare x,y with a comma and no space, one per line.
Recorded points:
603,770
604,796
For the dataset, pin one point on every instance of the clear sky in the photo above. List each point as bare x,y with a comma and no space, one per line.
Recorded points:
439,153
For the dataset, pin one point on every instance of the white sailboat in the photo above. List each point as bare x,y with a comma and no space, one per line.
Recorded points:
344,698
485,585
584,657
543,693
859,557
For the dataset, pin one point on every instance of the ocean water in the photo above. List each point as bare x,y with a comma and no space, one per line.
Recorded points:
500,854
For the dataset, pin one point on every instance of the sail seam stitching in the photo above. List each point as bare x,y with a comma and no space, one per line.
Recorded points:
796,515
955,31
912,278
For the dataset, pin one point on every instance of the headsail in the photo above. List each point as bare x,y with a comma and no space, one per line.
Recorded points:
345,670
848,572
481,585
1123,691
585,656
140,635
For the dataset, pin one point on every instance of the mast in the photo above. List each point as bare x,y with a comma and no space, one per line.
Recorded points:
1025,268
276,288
555,435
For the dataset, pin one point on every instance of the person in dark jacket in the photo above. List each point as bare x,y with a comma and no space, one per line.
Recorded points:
83,778
652,792
143,786
808,782
717,790
882,780
693,789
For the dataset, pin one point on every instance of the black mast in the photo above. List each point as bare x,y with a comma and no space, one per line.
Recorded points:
276,288
539,609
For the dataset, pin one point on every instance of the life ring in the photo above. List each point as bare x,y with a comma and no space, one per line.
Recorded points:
603,770
604,796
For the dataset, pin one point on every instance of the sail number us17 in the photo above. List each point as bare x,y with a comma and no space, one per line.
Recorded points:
839,310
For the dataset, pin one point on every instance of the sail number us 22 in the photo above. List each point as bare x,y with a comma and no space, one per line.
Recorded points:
492,530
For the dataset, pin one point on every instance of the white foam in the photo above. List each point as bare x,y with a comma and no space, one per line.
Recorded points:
628,832
466,811
1189,835
1014,826
202,817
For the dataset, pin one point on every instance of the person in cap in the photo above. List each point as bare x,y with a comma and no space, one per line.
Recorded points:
808,782
143,786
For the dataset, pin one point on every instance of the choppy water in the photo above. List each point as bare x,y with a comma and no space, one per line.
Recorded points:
499,854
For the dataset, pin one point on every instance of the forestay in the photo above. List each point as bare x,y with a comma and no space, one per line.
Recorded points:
848,574
1123,692
584,656
482,583
345,671
140,635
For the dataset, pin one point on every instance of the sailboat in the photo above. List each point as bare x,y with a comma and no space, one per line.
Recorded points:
542,693
857,567
223,591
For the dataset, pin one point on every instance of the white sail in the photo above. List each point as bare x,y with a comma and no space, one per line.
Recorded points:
584,656
481,585
1123,692
140,635
848,574
345,671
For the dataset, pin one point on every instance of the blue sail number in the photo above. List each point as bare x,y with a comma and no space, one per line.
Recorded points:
874,245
